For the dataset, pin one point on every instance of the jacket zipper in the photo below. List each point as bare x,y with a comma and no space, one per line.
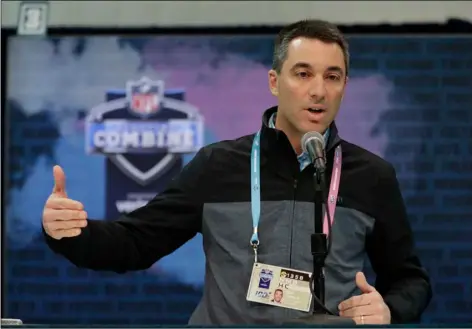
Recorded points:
295,183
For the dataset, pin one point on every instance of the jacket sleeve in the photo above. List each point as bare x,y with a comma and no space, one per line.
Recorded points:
401,280
136,241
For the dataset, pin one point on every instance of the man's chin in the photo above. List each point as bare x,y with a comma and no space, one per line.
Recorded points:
318,127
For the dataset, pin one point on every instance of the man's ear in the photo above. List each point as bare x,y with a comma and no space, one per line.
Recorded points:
273,83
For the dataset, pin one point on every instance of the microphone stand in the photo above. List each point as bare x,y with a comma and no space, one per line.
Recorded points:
319,241
319,251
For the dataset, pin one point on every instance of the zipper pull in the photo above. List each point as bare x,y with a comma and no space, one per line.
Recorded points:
295,183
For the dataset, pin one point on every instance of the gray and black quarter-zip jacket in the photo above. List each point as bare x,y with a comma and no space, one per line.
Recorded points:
212,196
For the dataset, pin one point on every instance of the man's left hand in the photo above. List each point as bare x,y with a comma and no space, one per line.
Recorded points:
368,308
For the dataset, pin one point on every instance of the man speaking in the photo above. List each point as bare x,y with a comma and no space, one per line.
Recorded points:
252,199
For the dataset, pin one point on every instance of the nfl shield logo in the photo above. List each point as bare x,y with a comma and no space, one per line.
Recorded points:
145,96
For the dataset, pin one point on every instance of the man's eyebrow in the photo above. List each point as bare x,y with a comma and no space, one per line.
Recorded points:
305,65
335,69
301,65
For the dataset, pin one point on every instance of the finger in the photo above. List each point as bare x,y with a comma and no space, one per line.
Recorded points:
68,233
51,214
66,225
370,319
370,309
355,301
59,180
362,284
64,203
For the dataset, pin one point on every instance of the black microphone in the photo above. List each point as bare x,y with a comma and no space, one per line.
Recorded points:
313,143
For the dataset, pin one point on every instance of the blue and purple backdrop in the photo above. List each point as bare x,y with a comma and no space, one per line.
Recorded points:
409,99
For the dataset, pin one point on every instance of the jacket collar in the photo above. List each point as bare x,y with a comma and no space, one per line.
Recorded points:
278,147
277,135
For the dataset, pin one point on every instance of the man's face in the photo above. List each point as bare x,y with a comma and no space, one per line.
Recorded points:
312,77
278,296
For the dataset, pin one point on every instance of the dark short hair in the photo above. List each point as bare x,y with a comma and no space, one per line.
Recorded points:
311,29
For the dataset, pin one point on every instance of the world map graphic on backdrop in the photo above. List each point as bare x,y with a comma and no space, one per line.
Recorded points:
393,107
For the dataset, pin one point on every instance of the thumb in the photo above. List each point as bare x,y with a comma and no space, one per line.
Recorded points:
362,283
59,181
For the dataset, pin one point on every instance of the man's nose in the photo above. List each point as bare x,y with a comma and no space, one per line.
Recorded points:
318,88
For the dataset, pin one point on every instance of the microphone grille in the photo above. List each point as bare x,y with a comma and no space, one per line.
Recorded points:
309,136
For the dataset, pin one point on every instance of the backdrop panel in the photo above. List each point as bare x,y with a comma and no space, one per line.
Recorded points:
408,99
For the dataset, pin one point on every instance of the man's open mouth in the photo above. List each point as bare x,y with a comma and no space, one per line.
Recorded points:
316,110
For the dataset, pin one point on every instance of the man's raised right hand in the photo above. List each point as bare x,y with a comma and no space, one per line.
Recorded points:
62,217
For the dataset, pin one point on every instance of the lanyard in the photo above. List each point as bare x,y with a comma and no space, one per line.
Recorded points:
256,190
